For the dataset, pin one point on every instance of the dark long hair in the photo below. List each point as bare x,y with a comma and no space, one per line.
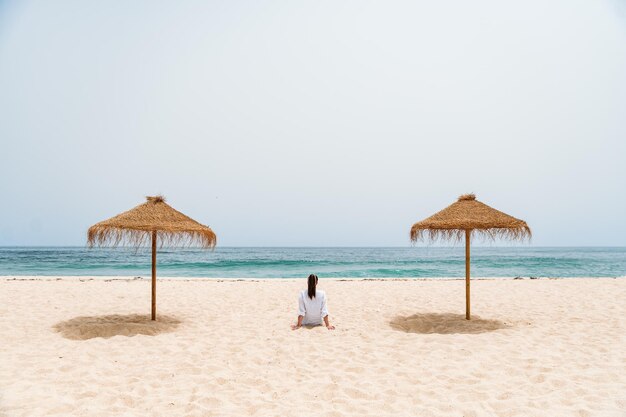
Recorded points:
312,282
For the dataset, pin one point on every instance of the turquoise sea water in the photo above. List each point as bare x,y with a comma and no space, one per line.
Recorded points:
409,262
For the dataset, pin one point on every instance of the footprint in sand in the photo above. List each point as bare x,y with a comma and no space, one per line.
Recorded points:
538,379
356,394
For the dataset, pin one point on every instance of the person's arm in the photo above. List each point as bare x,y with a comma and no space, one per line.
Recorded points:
301,313
327,323
325,314
298,325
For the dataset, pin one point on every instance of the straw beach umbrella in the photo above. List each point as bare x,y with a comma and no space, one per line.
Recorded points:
148,222
468,217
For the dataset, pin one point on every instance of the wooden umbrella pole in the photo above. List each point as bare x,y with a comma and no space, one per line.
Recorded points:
467,274
154,242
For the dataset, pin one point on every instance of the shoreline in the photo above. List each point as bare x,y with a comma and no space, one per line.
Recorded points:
108,278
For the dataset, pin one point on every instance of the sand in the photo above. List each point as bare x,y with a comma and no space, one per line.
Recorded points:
82,347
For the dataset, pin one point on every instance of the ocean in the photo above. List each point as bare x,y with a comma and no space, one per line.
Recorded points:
231,262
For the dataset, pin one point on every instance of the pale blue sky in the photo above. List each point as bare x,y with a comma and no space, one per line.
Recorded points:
316,123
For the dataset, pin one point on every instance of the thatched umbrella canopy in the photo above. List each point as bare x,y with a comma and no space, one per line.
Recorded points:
469,217
151,221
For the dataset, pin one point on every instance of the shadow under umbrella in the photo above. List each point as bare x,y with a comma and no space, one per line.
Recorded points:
445,323
89,327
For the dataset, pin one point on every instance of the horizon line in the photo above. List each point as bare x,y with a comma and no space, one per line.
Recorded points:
313,247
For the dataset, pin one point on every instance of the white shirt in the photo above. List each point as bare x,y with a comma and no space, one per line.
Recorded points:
313,310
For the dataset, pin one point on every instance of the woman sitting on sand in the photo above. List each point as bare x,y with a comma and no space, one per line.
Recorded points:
312,306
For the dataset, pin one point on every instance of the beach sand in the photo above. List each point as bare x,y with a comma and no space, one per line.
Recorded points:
545,347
